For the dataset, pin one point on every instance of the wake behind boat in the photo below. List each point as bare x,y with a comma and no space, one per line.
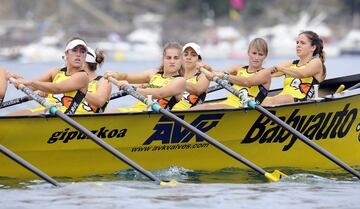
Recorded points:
155,142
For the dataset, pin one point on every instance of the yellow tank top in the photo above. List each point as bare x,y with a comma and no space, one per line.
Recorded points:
257,92
67,102
299,88
189,100
156,81
85,107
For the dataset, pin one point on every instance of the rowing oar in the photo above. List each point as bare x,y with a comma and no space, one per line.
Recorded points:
28,98
252,104
54,111
15,101
118,95
275,176
214,88
28,166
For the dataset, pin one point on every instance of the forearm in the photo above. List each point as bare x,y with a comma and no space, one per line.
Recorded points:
96,99
241,81
155,93
158,93
47,87
293,72
194,89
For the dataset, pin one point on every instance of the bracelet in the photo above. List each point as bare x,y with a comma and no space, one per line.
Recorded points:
226,76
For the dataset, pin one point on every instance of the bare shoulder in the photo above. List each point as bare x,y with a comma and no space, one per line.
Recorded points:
81,76
264,72
286,63
233,69
316,61
180,79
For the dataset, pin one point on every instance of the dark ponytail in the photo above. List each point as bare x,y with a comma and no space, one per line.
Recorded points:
318,42
100,58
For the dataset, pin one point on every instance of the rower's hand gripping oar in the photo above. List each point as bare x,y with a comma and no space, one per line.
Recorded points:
54,111
28,166
275,176
252,104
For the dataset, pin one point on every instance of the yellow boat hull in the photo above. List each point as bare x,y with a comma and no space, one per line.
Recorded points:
154,142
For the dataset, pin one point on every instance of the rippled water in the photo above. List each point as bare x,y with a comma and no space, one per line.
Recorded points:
227,188
127,189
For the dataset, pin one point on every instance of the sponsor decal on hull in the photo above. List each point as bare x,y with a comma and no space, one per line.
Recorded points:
65,135
173,136
323,125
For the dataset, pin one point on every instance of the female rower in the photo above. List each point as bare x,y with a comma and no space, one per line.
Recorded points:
3,83
99,89
196,82
165,84
301,75
66,87
251,80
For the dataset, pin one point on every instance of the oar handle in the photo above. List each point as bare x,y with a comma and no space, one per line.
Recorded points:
340,89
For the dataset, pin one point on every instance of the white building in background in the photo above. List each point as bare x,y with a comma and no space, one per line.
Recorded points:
47,49
350,44
228,43
141,44
281,37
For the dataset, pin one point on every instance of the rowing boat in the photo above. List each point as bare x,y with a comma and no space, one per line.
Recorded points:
154,142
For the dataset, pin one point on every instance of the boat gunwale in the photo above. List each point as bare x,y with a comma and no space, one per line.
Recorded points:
327,98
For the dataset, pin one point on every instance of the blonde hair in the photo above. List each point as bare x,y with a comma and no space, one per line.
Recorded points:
260,45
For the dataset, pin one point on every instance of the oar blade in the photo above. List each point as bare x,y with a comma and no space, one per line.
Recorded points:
171,183
275,176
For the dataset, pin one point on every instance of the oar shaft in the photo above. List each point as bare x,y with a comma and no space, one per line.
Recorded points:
228,87
93,137
189,127
15,101
307,141
303,138
118,94
214,88
28,166
354,86
106,146
212,141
